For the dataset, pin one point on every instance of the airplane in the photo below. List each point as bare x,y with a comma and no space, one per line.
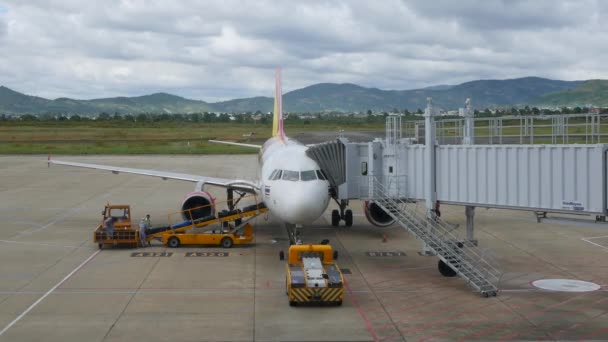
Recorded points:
292,185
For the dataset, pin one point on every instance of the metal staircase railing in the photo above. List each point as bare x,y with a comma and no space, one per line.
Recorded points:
468,261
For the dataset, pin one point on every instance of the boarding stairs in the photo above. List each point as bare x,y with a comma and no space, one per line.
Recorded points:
476,267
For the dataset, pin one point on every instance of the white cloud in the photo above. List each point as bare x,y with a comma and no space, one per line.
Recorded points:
226,49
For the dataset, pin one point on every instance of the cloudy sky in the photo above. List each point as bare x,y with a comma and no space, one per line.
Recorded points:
217,50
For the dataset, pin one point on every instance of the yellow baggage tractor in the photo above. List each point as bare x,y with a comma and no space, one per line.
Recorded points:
122,232
312,276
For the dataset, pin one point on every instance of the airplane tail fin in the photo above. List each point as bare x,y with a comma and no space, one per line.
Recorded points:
277,122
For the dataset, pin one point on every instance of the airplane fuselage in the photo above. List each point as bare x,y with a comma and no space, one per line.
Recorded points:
292,184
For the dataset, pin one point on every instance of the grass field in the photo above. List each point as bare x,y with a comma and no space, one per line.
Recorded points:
192,138
153,138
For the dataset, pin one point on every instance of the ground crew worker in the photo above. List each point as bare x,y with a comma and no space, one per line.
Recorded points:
108,226
142,232
148,224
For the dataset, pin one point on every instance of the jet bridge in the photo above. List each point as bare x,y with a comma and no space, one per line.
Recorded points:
550,178
395,172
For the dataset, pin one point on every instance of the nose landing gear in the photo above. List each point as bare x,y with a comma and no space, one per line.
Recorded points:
342,214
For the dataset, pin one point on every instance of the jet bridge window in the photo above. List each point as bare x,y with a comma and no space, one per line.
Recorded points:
321,175
308,175
276,174
293,176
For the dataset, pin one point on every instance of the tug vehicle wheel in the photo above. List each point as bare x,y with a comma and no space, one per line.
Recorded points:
173,242
226,242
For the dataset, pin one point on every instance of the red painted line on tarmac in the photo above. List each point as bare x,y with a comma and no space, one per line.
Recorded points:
513,278
519,318
429,312
368,324
593,334
386,281
409,284
498,313
576,310
472,310
381,310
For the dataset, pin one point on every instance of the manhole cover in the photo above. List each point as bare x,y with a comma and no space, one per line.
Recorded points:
565,285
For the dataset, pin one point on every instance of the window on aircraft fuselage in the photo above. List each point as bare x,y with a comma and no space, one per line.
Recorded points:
273,174
308,175
293,176
321,175
277,175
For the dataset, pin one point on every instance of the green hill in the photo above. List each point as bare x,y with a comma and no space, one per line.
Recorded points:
354,98
592,92
333,97
17,103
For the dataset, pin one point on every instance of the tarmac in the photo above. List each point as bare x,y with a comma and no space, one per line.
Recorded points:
56,285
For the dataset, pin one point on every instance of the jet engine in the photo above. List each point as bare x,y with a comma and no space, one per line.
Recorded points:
376,215
197,205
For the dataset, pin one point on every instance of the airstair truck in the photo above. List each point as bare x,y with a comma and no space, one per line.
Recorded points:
313,277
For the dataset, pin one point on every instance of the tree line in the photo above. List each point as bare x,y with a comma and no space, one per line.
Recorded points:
264,118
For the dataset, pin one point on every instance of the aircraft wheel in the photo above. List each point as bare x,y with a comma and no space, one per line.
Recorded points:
335,217
348,218
281,255
226,242
445,269
173,242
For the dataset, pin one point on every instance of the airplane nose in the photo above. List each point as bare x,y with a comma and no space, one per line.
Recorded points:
305,204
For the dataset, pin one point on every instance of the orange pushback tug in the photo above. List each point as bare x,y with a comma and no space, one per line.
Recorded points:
312,276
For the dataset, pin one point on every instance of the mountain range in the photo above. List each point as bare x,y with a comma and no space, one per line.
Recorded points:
325,97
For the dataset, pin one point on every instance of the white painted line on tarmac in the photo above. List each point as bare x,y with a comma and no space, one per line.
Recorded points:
43,244
61,218
595,244
48,293
596,237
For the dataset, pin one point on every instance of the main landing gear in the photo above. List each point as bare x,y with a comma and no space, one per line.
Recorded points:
342,214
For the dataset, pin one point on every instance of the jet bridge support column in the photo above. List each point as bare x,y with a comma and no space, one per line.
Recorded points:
429,141
469,139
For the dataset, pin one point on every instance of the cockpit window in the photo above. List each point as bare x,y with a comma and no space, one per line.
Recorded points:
308,175
321,175
276,174
293,176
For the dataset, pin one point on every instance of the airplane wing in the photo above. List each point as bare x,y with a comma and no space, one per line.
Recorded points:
221,182
235,144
